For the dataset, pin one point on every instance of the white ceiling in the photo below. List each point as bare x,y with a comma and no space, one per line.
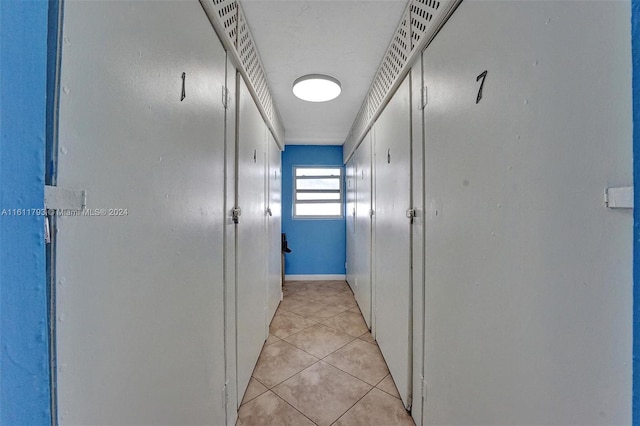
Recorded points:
343,38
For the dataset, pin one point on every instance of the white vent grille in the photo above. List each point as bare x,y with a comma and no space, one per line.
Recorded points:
421,21
422,13
251,63
229,20
227,11
278,125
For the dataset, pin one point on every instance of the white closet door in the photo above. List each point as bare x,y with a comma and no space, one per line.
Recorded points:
140,281
274,240
392,238
230,248
417,241
251,258
350,212
363,240
528,274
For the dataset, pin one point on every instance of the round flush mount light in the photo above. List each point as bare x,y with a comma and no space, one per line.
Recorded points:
316,88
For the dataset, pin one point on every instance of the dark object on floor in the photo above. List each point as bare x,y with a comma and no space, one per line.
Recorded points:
285,246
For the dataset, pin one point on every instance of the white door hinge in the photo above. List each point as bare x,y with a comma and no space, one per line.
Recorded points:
371,212
619,198
57,198
424,388
225,97
47,230
423,98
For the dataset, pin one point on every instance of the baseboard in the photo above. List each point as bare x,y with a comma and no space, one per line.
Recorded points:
318,277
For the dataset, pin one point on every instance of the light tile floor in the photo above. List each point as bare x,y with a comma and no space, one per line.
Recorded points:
320,365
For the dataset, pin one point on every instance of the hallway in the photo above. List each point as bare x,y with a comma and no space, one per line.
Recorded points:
468,196
320,365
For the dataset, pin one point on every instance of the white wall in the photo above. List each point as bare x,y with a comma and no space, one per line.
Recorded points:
140,334
528,275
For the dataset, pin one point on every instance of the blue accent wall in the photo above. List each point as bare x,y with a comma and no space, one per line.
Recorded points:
319,246
24,360
635,57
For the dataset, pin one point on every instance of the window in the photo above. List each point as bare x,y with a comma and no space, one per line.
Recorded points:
317,192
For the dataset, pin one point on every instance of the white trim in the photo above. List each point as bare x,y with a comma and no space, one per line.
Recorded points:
325,277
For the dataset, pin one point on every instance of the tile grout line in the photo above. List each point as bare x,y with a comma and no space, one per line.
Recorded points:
320,359
327,325
294,374
352,294
351,341
346,372
282,338
354,404
382,390
298,294
326,362
313,319
334,366
256,379
283,400
246,402
319,321
286,402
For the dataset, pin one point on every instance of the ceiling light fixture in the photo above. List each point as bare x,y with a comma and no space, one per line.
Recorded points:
316,88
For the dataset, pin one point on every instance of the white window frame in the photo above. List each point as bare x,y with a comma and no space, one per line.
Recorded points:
340,178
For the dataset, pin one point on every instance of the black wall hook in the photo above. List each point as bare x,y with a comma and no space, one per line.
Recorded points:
184,94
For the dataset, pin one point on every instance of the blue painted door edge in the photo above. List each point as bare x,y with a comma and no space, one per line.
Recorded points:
635,57
25,397
54,50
